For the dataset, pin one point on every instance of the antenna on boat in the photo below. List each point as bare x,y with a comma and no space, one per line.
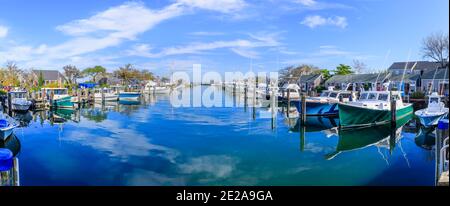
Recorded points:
404,70
384,64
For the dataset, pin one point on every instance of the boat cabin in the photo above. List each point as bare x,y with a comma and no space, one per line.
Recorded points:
435,103
18,94
379,99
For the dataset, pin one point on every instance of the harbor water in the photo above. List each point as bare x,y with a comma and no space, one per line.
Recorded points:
151,142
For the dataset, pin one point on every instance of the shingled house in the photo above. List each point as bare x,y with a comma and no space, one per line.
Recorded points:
417,67
49,76
310,82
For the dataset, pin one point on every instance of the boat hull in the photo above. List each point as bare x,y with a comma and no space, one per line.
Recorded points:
108,97
64,102
20,107
354,116
6,132
129,96
429,120
318,108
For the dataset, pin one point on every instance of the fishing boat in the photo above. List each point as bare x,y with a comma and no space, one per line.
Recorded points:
6,128
61,98
434,112
373,108
19,101
109,95
129,96
326,104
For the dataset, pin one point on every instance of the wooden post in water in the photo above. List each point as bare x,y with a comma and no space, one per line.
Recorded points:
393,107
79,98
302,137
303,109
288,102
273,105
52,94
245,97
103,95
254,99
9,104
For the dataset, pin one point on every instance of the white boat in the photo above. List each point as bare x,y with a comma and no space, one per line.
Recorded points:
6,129
434,112
19,101
327,103
293,90
153,88
108,94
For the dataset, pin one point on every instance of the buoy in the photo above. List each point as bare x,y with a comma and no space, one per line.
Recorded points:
6,159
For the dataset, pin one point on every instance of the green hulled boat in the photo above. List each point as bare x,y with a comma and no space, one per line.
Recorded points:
372,108
61,99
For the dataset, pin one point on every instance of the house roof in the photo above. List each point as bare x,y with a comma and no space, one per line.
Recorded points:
309,78
371,78
419,65
440,74
49,74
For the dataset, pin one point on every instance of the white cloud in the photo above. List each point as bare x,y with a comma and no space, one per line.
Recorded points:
316,20
306,2
3,31
206,33
224,6
239,46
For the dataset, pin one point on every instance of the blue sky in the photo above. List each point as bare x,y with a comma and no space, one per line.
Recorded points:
222,35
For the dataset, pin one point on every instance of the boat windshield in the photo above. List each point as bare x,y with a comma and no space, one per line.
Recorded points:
333,94
383,97
60,91
363,96
345,95
434,100
325,94
372,96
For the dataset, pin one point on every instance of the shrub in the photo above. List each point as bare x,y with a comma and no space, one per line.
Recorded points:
417,95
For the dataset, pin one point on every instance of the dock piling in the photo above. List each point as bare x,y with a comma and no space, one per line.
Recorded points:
393,107
288,102
303,108
9,104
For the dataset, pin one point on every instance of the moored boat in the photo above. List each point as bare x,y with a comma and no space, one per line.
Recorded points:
108,94
434,112
6,128
19,101
373,108
129,96
61,98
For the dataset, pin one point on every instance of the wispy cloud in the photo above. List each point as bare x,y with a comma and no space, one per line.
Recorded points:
206,33
320,5
317,20
241,47
3,31
224,6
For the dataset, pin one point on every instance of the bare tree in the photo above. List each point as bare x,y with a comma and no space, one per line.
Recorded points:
435,46
359,66
72,73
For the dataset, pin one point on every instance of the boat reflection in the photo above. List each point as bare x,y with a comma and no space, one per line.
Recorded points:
380,136
425,137
9,174
315,124
59,116
23,118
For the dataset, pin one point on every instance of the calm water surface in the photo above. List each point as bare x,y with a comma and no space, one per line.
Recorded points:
153,143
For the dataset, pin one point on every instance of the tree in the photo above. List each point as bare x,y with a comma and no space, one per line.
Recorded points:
11,75
72,73
435,46
325,74
146,75
41,80
125,73
294,72
359,66
93,72
343,69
